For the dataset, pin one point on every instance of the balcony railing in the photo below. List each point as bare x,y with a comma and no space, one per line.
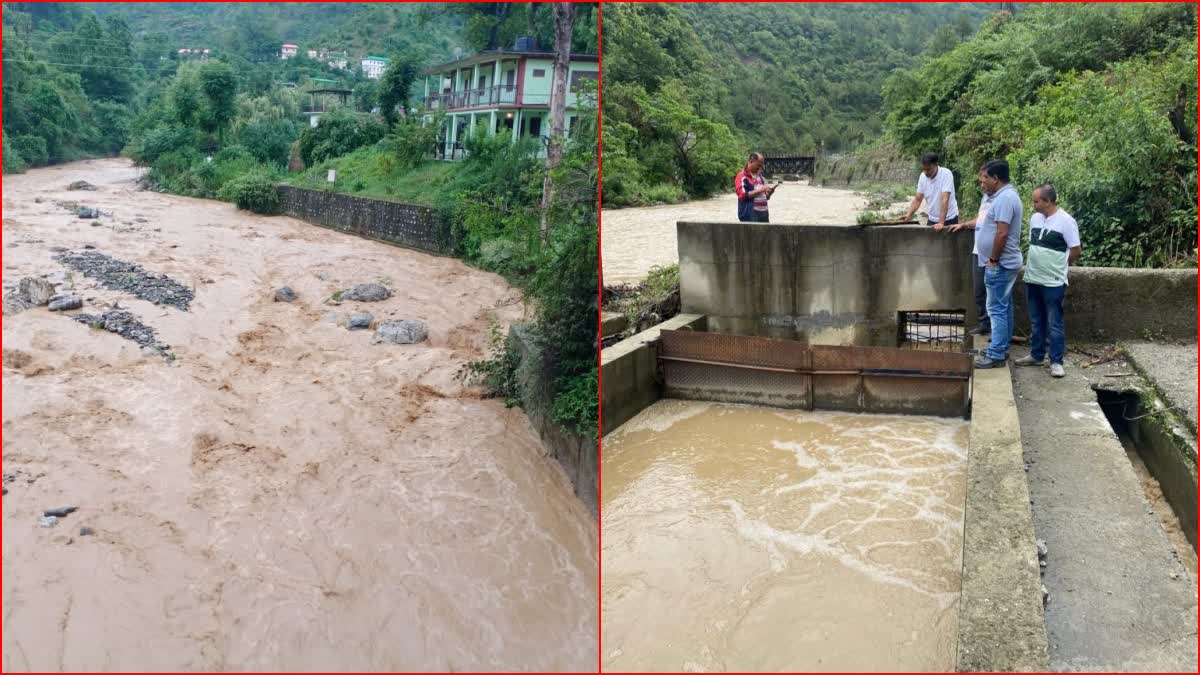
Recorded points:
454,100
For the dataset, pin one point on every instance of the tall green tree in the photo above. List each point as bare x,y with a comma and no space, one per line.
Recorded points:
395,87
219,85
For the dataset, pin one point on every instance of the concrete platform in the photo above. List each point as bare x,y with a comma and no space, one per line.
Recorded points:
1120,599
1172,371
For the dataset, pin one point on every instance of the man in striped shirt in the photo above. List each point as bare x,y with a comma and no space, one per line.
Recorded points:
752,191
1053,246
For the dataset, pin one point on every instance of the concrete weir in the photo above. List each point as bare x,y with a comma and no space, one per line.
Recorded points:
1043,462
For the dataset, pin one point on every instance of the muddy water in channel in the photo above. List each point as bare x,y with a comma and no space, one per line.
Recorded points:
746,538
285,495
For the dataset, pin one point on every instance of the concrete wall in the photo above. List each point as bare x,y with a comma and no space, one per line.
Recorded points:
404,224
1109,303
578,455
629,372
825,284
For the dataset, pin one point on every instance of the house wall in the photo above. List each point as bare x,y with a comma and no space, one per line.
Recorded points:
537,89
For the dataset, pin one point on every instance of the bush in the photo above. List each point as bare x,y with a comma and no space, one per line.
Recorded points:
577,405
269,141
32,149
160,141
13,162
412,142
337,134
253,192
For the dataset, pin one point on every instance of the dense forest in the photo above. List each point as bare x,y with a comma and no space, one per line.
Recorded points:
101,79
689,88
1108,116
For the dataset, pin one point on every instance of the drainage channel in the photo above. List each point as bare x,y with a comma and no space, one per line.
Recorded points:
1152,445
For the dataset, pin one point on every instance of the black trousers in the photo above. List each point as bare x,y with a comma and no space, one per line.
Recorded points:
761,217
980,294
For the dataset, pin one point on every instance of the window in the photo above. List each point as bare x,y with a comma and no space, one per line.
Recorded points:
535,126
539,72
579,77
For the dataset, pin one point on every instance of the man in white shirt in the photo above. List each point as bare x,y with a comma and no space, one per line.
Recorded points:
935,187
1053,246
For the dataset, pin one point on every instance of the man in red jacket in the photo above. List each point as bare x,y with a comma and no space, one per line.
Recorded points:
752,191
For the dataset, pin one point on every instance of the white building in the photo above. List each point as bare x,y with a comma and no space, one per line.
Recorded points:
289,51
373,66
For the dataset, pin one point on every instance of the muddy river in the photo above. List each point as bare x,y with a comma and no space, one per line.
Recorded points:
745,538
635,239
285,495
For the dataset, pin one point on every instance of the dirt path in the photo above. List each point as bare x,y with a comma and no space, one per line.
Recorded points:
286,495
635,239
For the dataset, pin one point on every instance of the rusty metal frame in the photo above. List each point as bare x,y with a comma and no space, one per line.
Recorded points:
790,374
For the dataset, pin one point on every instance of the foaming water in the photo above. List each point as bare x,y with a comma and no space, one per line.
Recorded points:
748,538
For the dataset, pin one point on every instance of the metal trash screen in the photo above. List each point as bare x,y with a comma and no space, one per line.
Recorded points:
789,374
938,330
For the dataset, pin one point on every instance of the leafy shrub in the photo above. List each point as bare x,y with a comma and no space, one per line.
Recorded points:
253,192
412,142
13,162
577,405
32,149
337,134
269,141
159,141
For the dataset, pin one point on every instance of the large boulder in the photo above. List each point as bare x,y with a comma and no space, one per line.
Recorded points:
81,185
285,294
367,293
36,291
401,332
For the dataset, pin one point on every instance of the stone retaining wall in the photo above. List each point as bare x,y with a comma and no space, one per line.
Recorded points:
408,225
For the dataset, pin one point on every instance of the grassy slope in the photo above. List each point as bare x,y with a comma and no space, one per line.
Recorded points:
366,173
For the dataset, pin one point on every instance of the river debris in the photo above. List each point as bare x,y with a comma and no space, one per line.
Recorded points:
359,321
60,511
401,332
81,185
128,326
118,275
285,294
47,521
86,531
366,293
81,210
65,301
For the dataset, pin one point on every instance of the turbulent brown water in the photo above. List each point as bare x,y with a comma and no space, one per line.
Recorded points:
636,239
286,495
747,538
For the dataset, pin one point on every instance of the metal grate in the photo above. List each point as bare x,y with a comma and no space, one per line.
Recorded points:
789,374
938,330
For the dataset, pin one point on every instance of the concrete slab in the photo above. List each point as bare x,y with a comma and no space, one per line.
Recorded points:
1000,610
629,372
1171,368
1120,599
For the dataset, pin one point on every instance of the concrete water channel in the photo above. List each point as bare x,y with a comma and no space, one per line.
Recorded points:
1051,527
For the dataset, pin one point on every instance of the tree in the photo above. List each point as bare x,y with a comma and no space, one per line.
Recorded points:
564,24
220,88
395,86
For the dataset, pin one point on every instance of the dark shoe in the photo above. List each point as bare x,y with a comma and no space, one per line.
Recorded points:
988,362
980,330
1028,361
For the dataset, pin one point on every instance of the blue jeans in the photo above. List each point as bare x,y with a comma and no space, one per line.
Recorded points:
1046,311
999,283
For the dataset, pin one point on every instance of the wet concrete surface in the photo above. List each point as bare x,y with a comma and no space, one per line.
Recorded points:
1120,597
1172,370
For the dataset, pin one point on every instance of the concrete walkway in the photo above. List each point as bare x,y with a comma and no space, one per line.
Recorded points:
1172,369
1120,599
